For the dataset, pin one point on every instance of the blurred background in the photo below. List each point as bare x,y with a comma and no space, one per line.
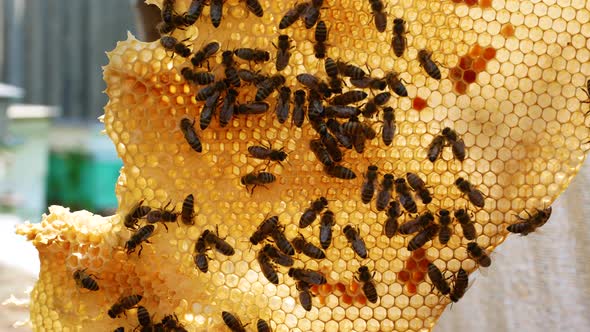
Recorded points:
52,151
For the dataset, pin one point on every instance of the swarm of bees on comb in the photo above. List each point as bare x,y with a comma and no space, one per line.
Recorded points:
278,176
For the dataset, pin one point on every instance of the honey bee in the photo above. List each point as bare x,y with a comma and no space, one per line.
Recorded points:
262,326
190,135
392,224
331,145
227,109
353,127
206,51
292,15
368,187
530,224
143,316
341,111
312,13
478,254
283,52
277,256
330,66
438,279
320,151
197,78
167,10
313,83
267,267
252,54
457,144
405,198
389,127
321,35
395,84
420,239
137,212
444,219
326,223
162,215
137,239
349,97
254,7
188,210
232,321
216,12
251,77
370,83
369,288
417,224
336,130
399,40
359,142
171,323
340,172
202,261
475,196
304,294
220,244
420,187
172,44
379,15
281,241
255,179
384,195
177,22
299,109
349,70
308,248
310,214
354,238
210,89
256,107
468,227
435,148
208,110
308,276
429,66
460,287
265,228
85,280
194,11
123,304
266,87
267,153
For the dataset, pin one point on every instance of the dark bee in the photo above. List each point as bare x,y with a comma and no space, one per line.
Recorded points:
475,196
326,223
281,241
123,304
342,111
267,153
438,279
178,22
220,244
304,294
208,110
202,261
252,54
444,219
277,256
265,228
320,151
167,10
466,224
460,287
420,187
395,84
267,267
194,11
85,280
171,323
310,214
262,326
530,224
266,87
251,77
392,223
254,7
368,187
384,195
292,15
255,179
340,172
417,224
367,82
427,234
359,142
315,84
231,73
210,90
389,127
308,248
379,15
190,135
336,130
172,44
354,238
283,52
216,11
137,212
429,66
188,210
369,288
331,145
321,35
399,40
349,70
137,239
478,254
457,144
299,108
312,13
232,322
349,97
435,148
143,316
371,107
353,127
198,78
330,66
227,109
205,52
309,276
162,215
256,107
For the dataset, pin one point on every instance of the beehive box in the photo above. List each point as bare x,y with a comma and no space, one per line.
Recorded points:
510,77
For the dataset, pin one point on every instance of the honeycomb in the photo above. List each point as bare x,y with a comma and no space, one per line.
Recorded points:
511,77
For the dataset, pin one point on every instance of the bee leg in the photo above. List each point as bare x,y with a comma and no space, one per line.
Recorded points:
139,254
164,224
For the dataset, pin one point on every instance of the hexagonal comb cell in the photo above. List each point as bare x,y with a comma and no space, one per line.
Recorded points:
218,181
